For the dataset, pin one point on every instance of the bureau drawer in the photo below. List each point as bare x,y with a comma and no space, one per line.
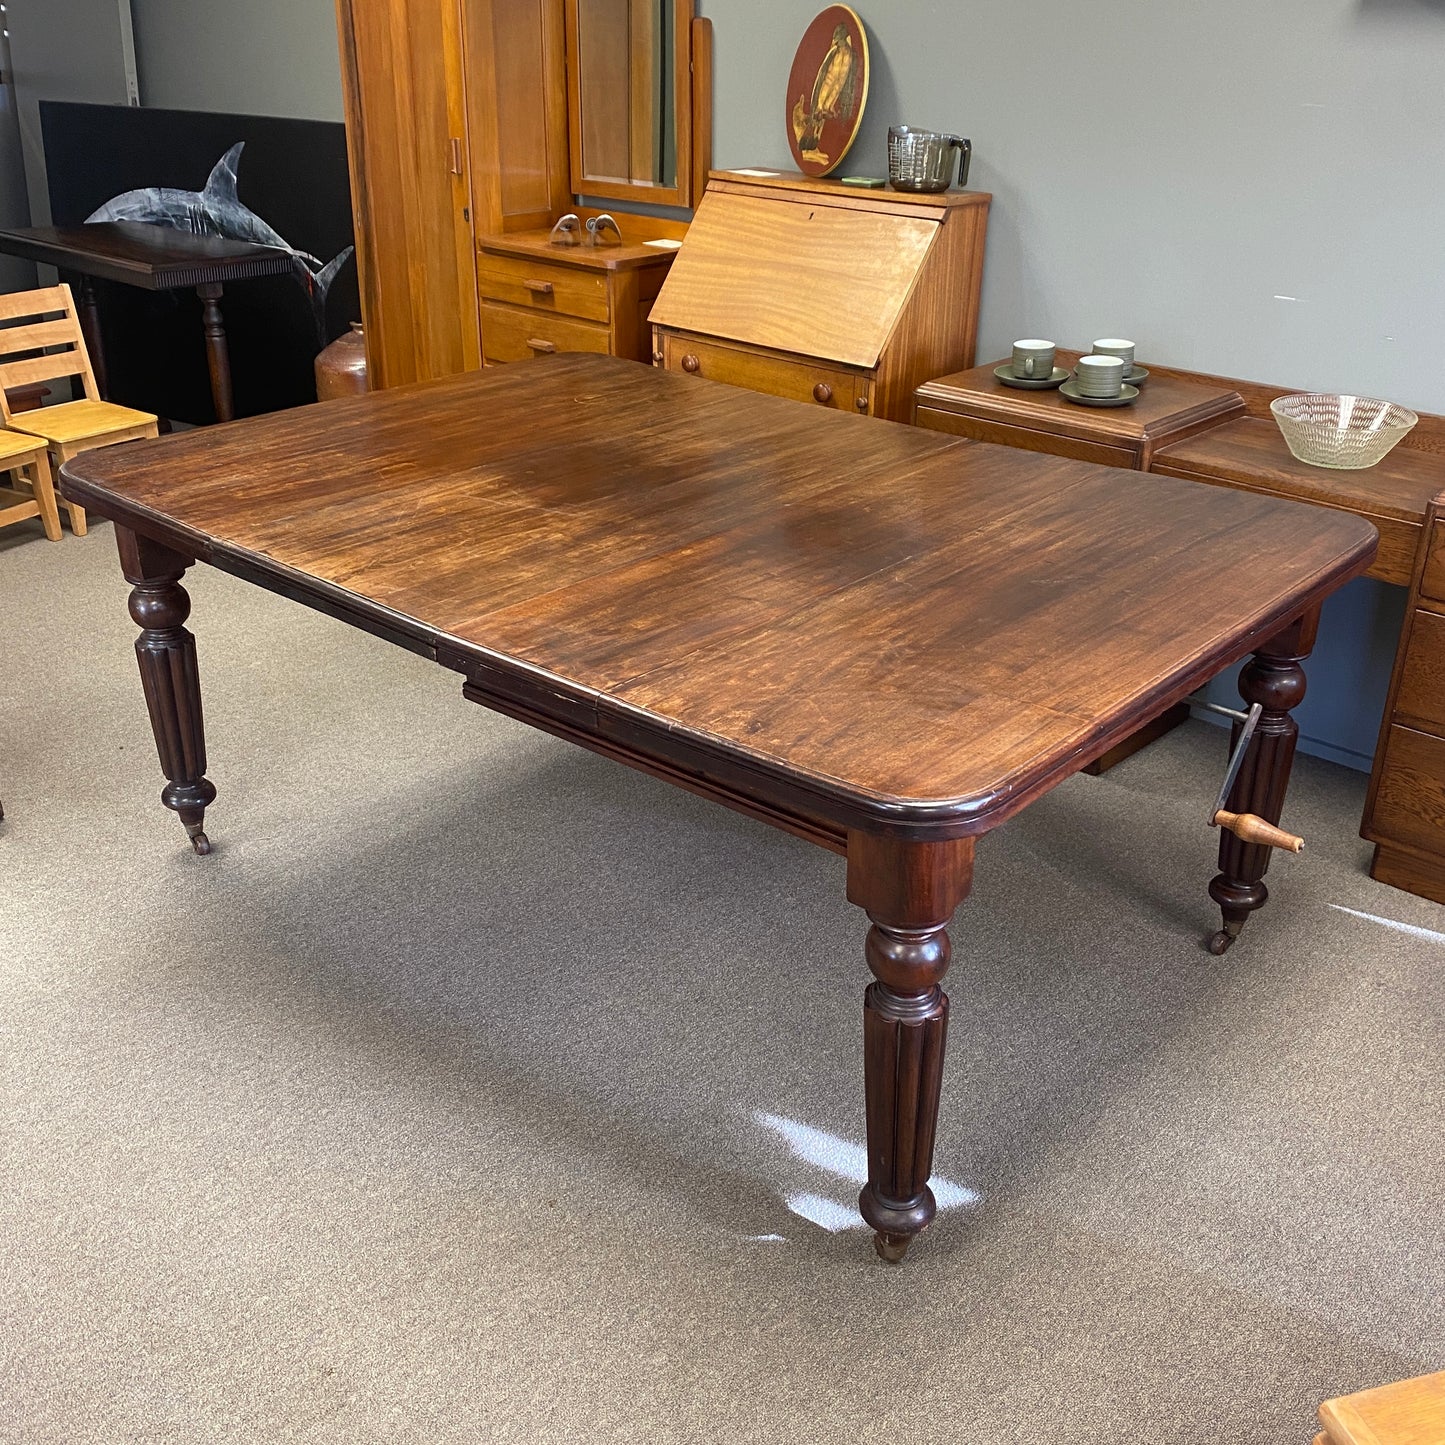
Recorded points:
543,286
799,380
936,419
1410,793
1432,584
1422,679
512,334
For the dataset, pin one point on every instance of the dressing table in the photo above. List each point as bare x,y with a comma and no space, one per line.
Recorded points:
473,126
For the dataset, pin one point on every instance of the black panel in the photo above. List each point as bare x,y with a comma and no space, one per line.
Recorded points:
292,174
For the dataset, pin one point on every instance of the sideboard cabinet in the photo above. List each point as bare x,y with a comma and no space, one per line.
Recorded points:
1405,810
818,291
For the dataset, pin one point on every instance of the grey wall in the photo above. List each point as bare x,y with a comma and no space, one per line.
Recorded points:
260,57
1268,205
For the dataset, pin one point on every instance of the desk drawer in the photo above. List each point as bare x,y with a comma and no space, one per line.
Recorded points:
1421,694
544,286
1410,793
512,334
1027,439
1432,584
800,380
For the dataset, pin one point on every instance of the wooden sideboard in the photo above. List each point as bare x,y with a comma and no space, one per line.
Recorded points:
538,297
814,290
1405,809
1220,430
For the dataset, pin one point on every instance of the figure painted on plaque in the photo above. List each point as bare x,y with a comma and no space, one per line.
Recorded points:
834,95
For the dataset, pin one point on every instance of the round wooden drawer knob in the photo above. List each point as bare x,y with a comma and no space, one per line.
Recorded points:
657,358
861,402
822,393
690,362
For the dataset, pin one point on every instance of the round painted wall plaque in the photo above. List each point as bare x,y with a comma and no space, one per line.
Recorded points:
827,88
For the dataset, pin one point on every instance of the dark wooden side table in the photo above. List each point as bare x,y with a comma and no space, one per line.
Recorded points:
977,404
153,258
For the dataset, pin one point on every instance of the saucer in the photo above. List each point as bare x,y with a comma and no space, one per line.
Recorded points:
1127,394
1137,377
1005,374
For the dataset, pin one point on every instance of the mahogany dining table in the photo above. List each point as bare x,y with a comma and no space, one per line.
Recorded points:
884,640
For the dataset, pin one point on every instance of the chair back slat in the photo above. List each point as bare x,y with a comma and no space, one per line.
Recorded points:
42,368
36,336
35,303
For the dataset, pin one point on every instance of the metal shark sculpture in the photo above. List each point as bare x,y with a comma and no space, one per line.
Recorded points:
217,210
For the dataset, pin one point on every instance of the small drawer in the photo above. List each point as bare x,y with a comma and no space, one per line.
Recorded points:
936,419
1410,792
1421,695
511,334
544,286
800,380
1432,584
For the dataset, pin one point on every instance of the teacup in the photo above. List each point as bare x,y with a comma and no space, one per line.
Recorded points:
1113,346
1099,376
1033,360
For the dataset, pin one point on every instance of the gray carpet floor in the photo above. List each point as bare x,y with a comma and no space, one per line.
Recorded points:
476,1088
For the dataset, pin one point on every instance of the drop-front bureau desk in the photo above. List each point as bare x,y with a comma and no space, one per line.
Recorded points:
885,641
1219,430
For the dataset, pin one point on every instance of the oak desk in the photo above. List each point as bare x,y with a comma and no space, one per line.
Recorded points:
881,639
154,258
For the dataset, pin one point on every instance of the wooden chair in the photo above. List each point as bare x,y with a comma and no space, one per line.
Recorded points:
45,321
26,457
1410,1412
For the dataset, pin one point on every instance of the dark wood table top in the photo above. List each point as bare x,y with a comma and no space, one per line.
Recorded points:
155,258
885,627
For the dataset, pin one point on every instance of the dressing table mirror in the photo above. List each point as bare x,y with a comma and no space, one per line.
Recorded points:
630,79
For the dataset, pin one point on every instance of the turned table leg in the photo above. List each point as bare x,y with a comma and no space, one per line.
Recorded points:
218,352
909,891
1273,678
167,655
94,338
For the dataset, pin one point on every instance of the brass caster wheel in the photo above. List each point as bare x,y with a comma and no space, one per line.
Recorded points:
201,843
1219,942
892,1247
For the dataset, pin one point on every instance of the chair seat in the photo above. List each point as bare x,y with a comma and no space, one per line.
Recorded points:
15,446
74,421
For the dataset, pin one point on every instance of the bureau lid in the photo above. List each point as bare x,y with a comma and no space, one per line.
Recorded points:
826,280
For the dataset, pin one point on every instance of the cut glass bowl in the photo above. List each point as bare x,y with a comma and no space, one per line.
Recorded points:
1348,432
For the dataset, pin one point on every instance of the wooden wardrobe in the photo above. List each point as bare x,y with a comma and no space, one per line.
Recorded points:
427,110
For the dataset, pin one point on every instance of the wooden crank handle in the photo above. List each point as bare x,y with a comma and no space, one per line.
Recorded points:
1250,828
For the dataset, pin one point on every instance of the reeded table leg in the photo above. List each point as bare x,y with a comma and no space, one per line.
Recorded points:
909,890
1274,678
167,655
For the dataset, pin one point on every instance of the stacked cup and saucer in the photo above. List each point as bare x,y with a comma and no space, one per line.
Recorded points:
1032,367
1108,376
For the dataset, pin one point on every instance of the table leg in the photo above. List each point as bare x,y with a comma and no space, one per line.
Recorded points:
94,341
167,655
1274,678
218,353
909,891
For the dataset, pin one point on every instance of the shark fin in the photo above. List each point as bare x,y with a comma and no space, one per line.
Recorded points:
327,273
221,183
